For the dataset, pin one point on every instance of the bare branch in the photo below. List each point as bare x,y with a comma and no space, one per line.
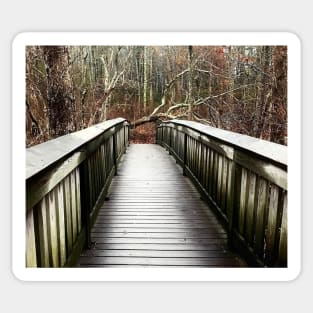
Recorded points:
211,73
203,100
167,86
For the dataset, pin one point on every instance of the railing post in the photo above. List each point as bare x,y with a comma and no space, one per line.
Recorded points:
115,152
124,128
85,201
185,155
231,201
128,129
170,141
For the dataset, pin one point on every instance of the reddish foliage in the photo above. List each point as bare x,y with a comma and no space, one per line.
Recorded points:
144,133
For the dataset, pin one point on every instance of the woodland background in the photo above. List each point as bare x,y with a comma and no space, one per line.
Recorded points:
238,88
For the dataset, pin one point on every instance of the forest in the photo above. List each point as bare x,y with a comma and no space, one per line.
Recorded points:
237,88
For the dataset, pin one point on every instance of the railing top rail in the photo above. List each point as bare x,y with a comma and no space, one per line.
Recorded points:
263,148
45,154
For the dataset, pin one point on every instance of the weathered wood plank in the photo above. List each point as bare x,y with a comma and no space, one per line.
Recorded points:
148,241
161,247
61,224
68,214
78,201
183,224
73,204
282,254
219,179
150,234
127,261
41,212
271,224
223,194
192,220
148,253
242,202
261,213
53,236
250,212
230,197
31,258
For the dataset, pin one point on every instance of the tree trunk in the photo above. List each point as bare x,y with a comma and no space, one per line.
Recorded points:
278,126
151,81
264,96
60,93
145,79
190,83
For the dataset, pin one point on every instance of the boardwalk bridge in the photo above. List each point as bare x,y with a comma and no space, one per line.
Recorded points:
93,200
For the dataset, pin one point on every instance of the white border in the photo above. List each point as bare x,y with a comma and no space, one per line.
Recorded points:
156,274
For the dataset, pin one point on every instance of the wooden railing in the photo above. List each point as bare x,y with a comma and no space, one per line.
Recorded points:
244,179
66,180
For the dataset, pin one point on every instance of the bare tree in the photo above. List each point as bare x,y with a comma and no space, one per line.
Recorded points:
239,88
60,95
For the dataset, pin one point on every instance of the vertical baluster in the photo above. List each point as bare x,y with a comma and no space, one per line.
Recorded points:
215,179
52,230
224,184
95,175
207,167
231,198
68,213
261,212
282,250
271,225
192,155
219,179
242,203
124,138
78,200
199,161
250,208
128,134
85,200
114,156
41,216
61,224
100,166
91,184
31,258
203,166
105,166
73,204
185,154
211,172
196,159
98,171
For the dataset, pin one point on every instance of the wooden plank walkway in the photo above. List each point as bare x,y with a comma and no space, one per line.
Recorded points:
155,217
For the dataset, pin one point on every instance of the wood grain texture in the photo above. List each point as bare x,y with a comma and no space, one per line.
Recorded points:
31,258
155,217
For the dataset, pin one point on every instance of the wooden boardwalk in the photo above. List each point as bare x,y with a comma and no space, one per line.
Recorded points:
155,217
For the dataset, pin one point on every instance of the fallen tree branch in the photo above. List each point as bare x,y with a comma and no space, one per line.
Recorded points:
167,86
154,118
